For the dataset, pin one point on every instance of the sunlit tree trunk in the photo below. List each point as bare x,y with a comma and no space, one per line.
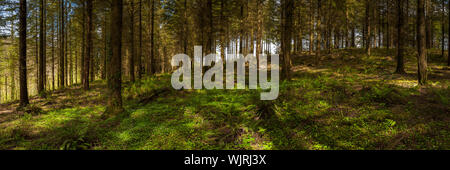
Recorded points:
12,74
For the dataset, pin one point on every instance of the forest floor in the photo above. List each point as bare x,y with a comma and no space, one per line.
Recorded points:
349,101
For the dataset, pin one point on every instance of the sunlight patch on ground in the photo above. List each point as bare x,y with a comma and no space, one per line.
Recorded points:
404,83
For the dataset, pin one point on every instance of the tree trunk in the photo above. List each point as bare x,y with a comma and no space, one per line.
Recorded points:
69,48
114,104
70,56
286,37
388,25
152,40
42,47
140,69
53,55
132,58
311,27
210,41
429,21
241,28
380,24
299,47
83,41
353,37
23,53
66,42
36,43
400,38
6,88
368,27
421,37
222,30
89,47
319,32
443,30
61,46
347,39
259,29
185,28
105,49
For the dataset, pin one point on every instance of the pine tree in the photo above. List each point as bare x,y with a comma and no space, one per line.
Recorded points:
421,37
42,47
23,53
114,105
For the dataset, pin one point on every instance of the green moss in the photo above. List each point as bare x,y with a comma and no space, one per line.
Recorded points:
341,107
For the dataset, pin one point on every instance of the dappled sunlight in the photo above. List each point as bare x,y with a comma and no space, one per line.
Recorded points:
325,107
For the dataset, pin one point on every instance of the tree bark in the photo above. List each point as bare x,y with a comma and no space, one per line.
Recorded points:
443,30
23,54
61,46
259,33
66,42
42,46
83,41
152,40
388,25
37,50
347,39
209,17
421,37
428,21
132,58
140,69
114,104
69,48
368,27
400,38
53,55
319,32
89,47
286,37
299,46
311,27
